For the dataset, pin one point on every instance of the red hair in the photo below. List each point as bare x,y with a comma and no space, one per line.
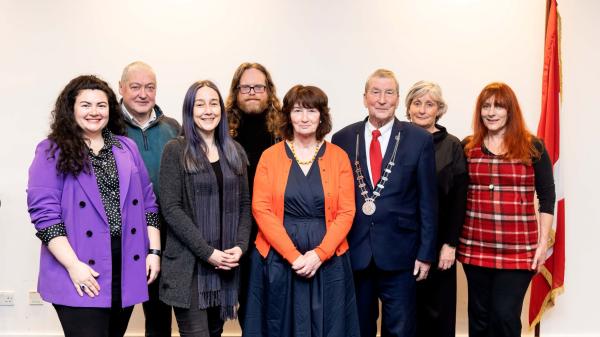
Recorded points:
518,141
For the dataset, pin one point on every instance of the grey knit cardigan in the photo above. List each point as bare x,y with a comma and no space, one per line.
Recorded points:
185,244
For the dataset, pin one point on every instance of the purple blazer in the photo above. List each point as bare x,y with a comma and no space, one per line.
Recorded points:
53,198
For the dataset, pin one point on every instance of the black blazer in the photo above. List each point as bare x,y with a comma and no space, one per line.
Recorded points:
403,228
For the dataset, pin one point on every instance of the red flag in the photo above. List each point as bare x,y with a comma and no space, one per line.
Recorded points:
548,284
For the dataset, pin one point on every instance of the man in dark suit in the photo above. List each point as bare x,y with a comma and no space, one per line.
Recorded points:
392,240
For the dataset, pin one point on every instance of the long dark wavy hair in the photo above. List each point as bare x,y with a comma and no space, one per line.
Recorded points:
194,154
273,104
67,136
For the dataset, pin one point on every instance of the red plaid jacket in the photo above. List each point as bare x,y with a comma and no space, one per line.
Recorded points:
500,229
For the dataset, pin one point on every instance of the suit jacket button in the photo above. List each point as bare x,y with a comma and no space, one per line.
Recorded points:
82,204
133,230
91,262
136,257
89,234
134,202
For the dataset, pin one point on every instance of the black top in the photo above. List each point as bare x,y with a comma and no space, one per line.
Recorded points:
107,178
216,166
453,183
254,136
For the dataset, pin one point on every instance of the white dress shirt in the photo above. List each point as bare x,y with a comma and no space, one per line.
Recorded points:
384,139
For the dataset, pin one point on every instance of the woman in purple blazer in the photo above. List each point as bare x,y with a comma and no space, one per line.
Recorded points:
91,201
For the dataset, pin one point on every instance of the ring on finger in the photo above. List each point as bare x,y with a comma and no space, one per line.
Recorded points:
82,287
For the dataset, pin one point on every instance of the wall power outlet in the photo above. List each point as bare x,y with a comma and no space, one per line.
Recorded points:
7,298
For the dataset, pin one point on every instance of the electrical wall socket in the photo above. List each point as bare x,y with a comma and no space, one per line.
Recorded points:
35,298
7,298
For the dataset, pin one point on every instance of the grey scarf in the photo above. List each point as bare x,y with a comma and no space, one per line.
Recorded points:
219,229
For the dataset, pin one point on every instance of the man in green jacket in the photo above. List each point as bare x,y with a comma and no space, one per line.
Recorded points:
151,130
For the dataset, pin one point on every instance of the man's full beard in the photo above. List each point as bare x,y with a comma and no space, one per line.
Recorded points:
253,106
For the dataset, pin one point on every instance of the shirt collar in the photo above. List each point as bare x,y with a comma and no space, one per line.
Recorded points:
384,129
110,139
130,116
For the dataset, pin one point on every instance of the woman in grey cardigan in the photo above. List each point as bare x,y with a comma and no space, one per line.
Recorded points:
205,201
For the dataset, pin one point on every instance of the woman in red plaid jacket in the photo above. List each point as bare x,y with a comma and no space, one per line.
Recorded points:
502,244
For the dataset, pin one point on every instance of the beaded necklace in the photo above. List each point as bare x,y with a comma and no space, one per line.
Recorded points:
307,162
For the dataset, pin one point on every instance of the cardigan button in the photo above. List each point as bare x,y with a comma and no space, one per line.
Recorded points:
91,262
133,230
89,234
134,202
82,204
491,187
136,257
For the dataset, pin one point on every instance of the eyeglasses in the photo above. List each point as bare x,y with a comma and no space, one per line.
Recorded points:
258,88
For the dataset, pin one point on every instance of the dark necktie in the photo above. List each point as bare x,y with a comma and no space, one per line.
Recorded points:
375,157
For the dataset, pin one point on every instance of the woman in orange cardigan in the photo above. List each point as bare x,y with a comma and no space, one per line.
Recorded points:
300,279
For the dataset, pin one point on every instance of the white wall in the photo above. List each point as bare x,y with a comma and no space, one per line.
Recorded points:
462,44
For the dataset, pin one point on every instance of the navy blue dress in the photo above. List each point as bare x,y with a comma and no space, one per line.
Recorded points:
283,304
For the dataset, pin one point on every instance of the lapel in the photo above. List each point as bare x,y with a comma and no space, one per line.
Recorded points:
124,168
90,188
362,153
397,127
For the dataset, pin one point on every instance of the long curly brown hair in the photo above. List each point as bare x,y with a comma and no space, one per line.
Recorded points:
231,105
67,136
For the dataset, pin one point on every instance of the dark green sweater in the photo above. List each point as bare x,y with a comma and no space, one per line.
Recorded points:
152,141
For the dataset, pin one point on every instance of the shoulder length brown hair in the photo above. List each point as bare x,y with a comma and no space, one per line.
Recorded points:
518,141
308,97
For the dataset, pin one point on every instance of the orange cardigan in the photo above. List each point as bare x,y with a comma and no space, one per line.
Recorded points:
268,196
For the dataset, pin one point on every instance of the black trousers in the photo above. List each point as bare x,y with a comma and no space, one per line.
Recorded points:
496,300
99,322
157,314
195,322
436,303
396,290
93,322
